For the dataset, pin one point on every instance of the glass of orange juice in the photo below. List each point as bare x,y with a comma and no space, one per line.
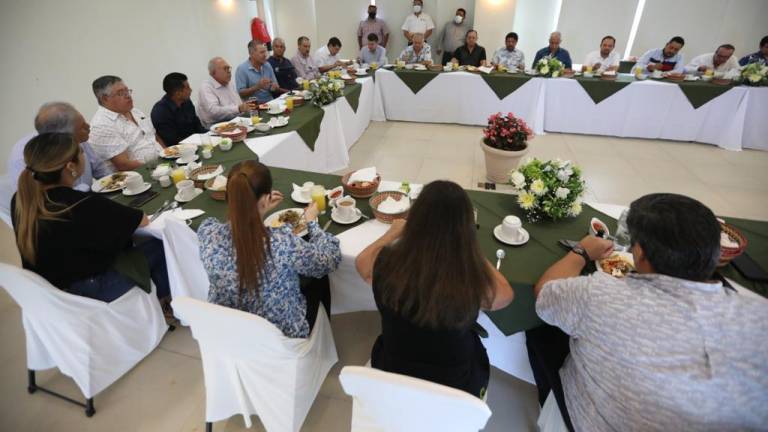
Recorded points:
178,175
305,84
317,195
289,103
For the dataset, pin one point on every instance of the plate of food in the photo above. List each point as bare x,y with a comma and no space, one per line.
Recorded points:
111,183
292,216
229,127
172,152
619,264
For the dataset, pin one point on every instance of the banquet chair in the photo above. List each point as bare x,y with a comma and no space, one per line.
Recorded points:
388,402
550,418
91,341
251,368
7,189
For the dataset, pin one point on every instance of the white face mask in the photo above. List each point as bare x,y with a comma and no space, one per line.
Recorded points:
416,8
458,19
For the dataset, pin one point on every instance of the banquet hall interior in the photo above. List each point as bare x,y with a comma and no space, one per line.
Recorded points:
629,137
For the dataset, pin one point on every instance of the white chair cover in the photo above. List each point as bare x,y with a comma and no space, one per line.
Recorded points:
7,189
388,402
550,419
186,273
91,341
250,367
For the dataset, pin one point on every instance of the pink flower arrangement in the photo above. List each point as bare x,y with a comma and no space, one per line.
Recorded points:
507,132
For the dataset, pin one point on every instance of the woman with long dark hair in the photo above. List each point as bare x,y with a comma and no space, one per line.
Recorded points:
256,268
430,280
74,239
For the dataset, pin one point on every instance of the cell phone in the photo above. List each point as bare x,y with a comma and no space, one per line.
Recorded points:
749,268
142,198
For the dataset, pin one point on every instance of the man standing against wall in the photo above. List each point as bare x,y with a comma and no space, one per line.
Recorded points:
372,25
418,22
453,35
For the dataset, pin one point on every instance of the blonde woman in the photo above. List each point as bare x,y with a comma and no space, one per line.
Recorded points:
73,238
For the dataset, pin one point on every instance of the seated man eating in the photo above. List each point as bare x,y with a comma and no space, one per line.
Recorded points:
666,348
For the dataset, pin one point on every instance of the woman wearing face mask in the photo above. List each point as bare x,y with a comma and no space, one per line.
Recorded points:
418,22
453,35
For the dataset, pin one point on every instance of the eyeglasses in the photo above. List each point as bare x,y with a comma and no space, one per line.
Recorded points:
123,93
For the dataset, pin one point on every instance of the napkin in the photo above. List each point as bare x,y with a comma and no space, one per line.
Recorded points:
391,206
220,183
191,167
160,171
363,175
96,186
211,175
184,214
485,69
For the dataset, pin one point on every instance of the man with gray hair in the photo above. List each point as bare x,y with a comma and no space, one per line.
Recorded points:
553,50
217,99
255,77
64,118
122,136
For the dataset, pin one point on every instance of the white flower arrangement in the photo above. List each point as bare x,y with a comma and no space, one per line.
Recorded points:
754,74
325,90
549,66
548,189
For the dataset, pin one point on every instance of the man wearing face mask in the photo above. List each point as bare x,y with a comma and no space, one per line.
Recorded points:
418,22
453,34
372,25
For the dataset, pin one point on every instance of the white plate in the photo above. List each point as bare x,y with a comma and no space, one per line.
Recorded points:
141,189
626,255
276,112
164,156
275,124
500,237
274,216
180,161
335,217
198,191
296,196
106,179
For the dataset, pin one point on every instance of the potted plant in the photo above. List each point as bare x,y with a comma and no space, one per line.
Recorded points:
548,189
505,142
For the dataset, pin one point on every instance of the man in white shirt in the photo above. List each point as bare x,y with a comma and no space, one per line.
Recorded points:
121,136
304,63
327,58
418,22
722,60
606,58
217,99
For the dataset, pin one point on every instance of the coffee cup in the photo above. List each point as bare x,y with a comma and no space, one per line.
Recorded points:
225,144
186,189
207,153
510,227
345,208
187,152
134,183
306,190
165,181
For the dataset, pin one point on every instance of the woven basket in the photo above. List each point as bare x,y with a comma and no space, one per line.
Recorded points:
721,81
386,218
729,253
218,195
359,191
236,136
297,101
195,173
436,67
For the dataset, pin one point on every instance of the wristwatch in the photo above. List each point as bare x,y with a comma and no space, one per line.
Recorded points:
579,250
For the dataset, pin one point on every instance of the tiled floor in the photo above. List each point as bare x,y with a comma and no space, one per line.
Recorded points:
165,391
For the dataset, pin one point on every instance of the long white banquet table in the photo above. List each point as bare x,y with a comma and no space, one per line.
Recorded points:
642,109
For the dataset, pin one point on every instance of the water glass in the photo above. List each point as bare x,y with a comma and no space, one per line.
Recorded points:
622,240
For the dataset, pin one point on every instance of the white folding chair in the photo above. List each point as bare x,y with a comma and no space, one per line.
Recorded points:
388,402
550,418
250,367
93,342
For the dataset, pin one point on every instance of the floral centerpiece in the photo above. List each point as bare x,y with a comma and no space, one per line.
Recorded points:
754,74
548,189
550,67
505,142
325,91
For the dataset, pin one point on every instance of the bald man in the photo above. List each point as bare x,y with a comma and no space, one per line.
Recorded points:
553,50
217,99
63,118
284,70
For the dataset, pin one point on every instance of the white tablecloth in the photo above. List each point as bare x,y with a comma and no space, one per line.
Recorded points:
644,109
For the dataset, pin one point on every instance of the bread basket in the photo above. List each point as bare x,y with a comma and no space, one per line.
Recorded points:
197,172
235,135
386,218
218,195
729,253
358,190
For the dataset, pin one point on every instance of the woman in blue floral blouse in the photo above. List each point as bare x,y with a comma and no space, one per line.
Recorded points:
256,268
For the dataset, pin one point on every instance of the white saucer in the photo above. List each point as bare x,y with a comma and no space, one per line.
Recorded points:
198,191
499,236
273,112
338,220
184,162
296,196
141,189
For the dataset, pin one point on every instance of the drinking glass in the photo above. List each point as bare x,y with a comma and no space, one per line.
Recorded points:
289,103
178,175
622,239
151,161
317,195
305,84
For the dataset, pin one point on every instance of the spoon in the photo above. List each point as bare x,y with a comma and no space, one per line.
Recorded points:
500,254
158,211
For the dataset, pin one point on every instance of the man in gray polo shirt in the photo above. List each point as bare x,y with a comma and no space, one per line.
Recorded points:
667,348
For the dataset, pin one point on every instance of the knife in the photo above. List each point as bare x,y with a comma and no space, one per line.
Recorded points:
159,211
327,224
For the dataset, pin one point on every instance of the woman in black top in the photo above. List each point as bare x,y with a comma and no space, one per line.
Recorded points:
74,239
430,280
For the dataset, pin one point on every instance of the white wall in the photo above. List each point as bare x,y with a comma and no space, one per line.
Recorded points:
534,21
584,23
704,24
53,50
493,20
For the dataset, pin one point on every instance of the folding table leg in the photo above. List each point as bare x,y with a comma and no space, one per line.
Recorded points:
33,387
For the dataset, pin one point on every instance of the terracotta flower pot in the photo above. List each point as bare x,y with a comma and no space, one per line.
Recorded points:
498,163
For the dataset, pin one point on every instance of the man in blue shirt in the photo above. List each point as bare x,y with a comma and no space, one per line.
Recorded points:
255,76
284,70
372,52
554,50
174,115
667,59
760,56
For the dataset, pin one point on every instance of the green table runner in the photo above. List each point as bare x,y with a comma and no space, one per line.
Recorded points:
352,94
504,84
522,266
416,80
599,89
698,93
